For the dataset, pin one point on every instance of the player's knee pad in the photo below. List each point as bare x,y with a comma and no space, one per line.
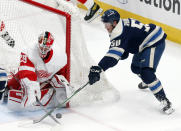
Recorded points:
147,75
135,69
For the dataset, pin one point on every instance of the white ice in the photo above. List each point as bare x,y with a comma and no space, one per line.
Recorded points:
137,110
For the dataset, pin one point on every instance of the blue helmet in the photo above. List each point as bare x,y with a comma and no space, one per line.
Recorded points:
110,16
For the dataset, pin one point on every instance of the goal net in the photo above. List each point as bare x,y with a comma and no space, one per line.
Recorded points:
26,19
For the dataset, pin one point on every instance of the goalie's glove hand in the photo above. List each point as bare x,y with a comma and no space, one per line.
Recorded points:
94,74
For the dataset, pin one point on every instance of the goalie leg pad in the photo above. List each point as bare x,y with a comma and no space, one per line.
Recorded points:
15,98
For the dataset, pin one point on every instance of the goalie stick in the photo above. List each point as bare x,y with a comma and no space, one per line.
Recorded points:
60,104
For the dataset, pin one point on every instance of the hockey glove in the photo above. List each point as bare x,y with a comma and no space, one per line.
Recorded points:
94,74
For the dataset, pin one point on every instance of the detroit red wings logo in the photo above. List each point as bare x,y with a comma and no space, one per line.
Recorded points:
23,58
43,74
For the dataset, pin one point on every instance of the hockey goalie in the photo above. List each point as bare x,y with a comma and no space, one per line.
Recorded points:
39,76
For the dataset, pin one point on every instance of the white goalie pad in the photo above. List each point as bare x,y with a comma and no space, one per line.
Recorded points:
14,100
50,98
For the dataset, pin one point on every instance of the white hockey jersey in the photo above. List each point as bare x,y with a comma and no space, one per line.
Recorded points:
37,70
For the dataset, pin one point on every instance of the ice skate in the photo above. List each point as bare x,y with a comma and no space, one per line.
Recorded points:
5,96
142,86
166,107
93,13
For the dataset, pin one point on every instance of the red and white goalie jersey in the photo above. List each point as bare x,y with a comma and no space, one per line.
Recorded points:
36,69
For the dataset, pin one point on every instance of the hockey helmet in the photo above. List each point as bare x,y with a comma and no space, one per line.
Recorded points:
110,16
45,42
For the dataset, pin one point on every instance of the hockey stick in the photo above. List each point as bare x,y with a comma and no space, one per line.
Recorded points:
41,105
60,104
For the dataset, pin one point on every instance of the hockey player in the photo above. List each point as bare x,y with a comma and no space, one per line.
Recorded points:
5,35
37,76
145,41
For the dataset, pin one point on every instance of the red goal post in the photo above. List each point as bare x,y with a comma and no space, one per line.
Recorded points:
68,30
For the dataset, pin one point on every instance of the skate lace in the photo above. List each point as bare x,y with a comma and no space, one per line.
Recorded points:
165,105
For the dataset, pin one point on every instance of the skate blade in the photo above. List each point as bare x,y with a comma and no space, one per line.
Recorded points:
98,13
144,87
35,121
169,111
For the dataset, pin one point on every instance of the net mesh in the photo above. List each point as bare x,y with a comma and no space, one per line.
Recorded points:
25,22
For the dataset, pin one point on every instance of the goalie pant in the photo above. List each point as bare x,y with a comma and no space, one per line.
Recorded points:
52,93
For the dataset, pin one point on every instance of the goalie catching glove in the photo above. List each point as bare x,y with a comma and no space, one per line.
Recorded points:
94,74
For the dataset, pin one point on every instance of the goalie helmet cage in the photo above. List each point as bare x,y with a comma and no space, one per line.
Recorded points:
34,16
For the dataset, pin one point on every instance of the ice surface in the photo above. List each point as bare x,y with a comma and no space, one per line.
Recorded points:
136,111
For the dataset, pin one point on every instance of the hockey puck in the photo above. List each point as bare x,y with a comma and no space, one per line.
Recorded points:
58,115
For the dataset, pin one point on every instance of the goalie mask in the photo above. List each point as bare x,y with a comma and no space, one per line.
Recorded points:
45,42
